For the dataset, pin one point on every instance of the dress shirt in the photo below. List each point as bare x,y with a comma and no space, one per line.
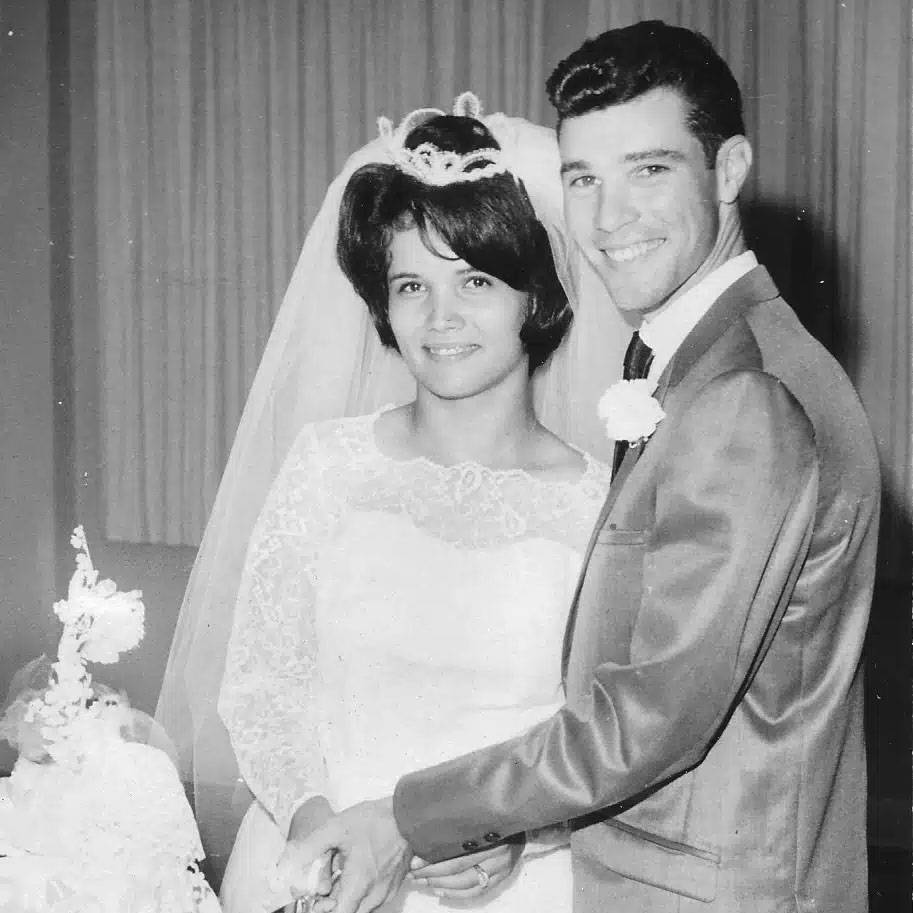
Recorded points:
665,330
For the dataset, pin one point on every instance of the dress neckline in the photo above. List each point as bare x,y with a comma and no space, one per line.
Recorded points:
462,468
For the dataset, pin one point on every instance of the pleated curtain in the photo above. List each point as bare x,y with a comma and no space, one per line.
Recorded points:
220,124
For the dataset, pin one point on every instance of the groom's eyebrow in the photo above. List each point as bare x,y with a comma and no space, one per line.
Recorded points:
577,165
642,155
675,155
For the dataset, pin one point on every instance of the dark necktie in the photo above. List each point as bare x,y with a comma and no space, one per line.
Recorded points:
638,358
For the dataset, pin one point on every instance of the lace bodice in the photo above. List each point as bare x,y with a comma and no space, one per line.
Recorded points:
351,549
465,503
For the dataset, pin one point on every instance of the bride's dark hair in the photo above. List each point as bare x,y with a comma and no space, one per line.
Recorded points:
490,223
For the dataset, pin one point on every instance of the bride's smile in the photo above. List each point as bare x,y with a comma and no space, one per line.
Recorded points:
449,351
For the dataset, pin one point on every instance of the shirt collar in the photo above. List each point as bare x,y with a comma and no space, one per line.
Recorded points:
665,330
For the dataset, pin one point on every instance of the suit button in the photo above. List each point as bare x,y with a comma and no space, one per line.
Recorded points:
492,837
470,845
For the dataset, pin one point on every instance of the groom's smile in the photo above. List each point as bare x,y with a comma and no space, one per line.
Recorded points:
639,197
630,252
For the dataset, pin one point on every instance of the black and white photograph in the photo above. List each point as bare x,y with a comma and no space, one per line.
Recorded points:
456,455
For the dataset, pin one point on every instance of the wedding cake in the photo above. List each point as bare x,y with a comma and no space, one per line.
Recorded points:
93,818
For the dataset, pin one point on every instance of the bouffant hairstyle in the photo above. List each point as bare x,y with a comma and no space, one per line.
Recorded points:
490,223
622,64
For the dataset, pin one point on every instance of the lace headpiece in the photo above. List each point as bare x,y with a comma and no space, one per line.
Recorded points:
431,165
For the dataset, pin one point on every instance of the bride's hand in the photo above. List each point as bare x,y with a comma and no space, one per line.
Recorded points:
461,878
306,877
308,817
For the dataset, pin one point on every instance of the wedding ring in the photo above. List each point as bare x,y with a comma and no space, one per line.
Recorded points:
483,876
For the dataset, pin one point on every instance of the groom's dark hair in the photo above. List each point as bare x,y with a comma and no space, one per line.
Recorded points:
622,64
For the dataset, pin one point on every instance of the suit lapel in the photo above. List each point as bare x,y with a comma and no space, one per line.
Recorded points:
754,287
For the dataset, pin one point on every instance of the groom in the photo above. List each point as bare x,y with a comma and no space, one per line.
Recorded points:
710,754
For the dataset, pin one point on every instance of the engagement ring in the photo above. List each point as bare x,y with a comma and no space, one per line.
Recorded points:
483,876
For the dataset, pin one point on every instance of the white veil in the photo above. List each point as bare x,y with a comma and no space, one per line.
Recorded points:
324,360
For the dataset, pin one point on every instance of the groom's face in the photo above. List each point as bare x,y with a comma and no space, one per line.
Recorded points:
639,198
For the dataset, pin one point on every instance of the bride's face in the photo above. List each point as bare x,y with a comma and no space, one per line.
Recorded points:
457,328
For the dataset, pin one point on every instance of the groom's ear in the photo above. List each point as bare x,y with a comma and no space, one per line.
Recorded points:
733,162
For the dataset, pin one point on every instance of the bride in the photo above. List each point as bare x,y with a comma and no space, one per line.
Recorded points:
404,589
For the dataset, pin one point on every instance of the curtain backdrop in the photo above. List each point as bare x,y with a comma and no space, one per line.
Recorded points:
220,123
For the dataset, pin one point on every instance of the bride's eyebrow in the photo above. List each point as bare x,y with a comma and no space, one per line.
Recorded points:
394,276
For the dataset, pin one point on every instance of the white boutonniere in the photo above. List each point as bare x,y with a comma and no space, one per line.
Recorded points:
630,411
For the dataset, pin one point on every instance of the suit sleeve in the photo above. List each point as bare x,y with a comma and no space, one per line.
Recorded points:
735,504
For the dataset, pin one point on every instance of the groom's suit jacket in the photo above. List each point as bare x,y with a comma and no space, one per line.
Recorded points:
710,754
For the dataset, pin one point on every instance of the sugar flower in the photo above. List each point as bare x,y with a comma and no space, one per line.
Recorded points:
99,623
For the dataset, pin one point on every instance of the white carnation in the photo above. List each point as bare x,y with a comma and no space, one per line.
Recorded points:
629,410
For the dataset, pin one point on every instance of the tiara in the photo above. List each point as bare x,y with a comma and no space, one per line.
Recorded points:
438,167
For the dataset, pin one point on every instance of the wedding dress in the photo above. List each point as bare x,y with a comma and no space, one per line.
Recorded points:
393,614
323,362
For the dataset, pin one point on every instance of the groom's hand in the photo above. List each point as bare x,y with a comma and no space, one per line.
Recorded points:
375,857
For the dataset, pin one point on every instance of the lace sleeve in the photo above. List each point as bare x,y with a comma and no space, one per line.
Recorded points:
267,698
